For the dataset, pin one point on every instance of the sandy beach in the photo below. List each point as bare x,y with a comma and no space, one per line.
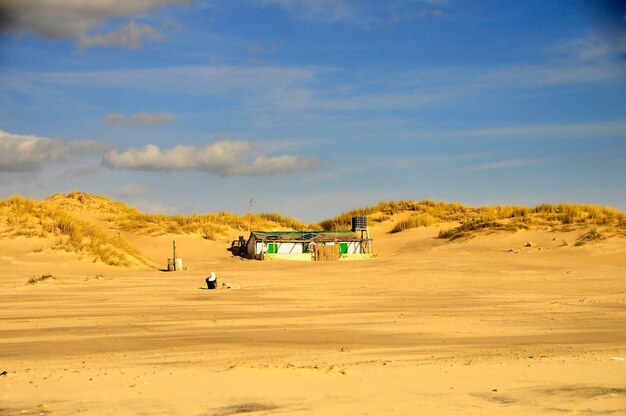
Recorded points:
485,326
411,207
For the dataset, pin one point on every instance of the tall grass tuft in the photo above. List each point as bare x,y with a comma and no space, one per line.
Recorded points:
24,217
591,236
414,221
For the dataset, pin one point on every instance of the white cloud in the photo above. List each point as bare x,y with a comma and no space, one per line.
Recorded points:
69,18
114,119
262,86
570,61
255,89
225,158
131,36
574,130
330,10
28,153
262,90
145,118
507,164
589,48
358,13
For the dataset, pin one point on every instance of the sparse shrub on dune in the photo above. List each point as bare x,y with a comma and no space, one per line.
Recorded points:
590,236
379,217
211,232
472,228
414,221
24,217
287,222
84,238
82,201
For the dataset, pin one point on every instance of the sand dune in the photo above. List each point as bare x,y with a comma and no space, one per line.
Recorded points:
484,326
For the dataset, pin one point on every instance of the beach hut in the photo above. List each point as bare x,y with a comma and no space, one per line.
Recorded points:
309,245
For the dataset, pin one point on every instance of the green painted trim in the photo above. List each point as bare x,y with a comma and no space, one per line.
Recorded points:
272,248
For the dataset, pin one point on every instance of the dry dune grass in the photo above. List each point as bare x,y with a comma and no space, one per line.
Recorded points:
210,226
589,237
414,221
487,219
59,217
448,211
551,217
24,217
95,204
67,220
472,220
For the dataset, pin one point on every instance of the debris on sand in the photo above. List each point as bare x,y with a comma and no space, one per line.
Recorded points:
211,281
245,408
99,276
529,244
42,279
330,369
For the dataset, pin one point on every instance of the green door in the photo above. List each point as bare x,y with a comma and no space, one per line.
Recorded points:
272,248
343,248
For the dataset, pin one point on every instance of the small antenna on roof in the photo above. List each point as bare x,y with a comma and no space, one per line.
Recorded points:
251,203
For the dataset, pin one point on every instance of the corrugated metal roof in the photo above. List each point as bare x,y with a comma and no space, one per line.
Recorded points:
305,236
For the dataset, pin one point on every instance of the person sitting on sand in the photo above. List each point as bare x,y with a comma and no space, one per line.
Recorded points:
211,281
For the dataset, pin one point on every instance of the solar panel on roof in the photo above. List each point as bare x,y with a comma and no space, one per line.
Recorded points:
359,223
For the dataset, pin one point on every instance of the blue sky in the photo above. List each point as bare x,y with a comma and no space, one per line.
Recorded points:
313,107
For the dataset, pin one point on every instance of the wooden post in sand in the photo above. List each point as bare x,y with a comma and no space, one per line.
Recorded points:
174,247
